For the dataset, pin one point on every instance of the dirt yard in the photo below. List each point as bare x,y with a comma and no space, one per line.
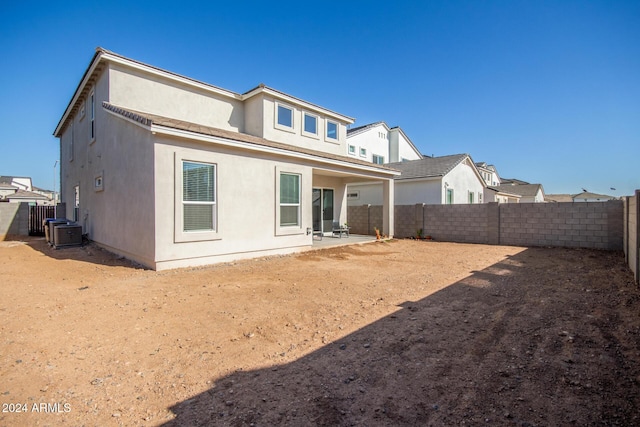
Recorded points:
394,333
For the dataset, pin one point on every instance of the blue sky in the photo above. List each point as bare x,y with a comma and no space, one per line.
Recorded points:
547,91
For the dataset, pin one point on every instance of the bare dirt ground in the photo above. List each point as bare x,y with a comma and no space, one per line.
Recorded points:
394,333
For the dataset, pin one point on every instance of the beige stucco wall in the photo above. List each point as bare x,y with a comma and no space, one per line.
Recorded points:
140,91
295,136
118,216
247,202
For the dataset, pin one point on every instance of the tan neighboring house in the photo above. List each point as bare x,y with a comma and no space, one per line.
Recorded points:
528,193
172,172
585,196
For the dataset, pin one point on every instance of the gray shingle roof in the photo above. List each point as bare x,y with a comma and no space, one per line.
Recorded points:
360,129
149,119
428,167
524,190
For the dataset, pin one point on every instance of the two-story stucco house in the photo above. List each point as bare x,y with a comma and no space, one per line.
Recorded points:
440,180
380,144
171,172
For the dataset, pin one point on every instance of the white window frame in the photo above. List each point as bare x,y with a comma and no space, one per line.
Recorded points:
315,135
276,117
448,201
373,159
326,131
471,197
290,229
180,235
363,152
352,150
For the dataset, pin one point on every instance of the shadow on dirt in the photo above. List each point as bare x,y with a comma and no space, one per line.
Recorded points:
87,252
522,348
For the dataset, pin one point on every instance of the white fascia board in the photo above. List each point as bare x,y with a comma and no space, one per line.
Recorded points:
163,130
297,101
76,95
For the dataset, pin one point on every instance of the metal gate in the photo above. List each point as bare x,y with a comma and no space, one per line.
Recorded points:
36,215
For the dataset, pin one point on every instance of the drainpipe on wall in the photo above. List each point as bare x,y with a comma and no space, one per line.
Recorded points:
368,219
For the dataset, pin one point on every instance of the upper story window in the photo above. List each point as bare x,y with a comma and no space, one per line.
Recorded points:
379,160
284,116
310,124
332,130
352,150
363,152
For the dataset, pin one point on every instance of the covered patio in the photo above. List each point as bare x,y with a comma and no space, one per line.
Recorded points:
328,241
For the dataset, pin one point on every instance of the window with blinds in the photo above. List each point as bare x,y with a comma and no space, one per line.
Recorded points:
198,196
289,200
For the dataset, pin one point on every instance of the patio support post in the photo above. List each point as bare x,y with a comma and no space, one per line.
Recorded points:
388,206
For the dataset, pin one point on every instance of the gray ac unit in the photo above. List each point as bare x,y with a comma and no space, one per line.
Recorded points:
67,235
53,223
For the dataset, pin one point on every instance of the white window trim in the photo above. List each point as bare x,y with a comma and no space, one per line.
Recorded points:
310,134
363,152
326,132
277,125
290,229
179,235
373,156
349,147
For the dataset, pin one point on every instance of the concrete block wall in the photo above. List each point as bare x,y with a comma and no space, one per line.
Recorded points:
14,220
460,223
595,225
363,219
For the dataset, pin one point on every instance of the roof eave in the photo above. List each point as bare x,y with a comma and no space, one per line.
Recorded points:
292,99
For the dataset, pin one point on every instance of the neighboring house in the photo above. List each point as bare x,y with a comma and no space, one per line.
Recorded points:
488,173
23,196
380,144
502,194
19,182
6,190
558,198
19,189
51,195
432,180
585,196
529,193
173,172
